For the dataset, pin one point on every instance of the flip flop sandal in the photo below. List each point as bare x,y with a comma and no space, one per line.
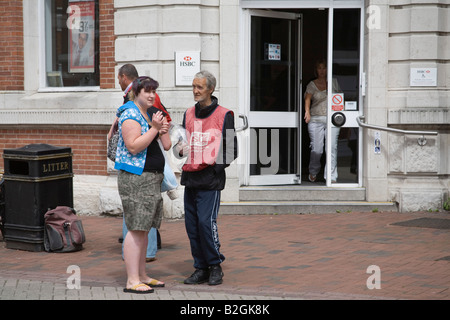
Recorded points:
155,283
133,289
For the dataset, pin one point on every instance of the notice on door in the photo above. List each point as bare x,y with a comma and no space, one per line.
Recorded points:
337,102
273,51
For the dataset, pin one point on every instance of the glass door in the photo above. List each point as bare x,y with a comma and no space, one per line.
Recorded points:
273,117
345,102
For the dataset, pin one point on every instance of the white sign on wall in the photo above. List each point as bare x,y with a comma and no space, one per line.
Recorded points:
187,64
423,77
377,142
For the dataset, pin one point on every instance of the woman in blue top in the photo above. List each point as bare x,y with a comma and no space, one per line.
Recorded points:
140,162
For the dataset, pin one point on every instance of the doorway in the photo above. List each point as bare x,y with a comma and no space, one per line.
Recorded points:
274,97
282,50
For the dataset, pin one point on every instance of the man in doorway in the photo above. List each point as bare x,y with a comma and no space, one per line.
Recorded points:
212,146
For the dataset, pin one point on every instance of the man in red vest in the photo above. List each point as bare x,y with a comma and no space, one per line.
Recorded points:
212,147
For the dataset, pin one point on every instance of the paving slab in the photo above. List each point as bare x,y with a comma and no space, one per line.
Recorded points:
340,256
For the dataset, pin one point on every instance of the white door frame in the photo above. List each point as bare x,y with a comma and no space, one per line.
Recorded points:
264,119
247,7
344,5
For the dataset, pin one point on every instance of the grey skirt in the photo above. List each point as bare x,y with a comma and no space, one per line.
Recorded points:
141,199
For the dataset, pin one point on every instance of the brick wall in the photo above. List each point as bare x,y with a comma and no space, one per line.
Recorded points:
107,55
88,146
11,45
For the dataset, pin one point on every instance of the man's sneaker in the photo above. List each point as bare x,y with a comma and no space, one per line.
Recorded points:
215,275
199,276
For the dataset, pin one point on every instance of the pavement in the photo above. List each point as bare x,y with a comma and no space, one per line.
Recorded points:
337,256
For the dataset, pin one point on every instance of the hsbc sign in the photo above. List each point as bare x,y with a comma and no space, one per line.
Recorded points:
187,64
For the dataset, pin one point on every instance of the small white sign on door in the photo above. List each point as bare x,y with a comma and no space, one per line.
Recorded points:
337,102
187,64
351,106
274,51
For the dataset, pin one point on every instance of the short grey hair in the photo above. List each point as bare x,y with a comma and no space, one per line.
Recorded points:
210,79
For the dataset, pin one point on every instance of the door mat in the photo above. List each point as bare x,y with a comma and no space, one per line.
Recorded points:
434,223
447,258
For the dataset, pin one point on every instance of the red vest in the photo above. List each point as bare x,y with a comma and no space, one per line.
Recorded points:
205,138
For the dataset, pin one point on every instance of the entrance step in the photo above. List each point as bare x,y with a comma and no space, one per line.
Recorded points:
301,193
304,207
303,199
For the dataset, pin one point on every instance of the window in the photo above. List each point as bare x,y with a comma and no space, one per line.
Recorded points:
71,43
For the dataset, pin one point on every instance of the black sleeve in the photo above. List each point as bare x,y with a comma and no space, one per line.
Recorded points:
152,110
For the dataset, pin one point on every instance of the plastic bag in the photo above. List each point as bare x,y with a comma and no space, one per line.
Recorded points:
179,142
177,134
169,181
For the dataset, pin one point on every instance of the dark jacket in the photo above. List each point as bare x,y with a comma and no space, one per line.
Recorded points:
213,177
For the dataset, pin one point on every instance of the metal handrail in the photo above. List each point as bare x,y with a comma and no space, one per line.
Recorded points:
421,141
372,126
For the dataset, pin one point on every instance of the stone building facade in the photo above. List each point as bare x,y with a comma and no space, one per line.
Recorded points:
392,59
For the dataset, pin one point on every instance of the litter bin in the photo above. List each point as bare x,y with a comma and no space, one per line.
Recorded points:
37,177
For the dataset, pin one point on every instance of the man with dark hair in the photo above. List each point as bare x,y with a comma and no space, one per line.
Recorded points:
126,75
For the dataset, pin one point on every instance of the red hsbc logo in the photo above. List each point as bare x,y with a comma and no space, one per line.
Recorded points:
187,62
